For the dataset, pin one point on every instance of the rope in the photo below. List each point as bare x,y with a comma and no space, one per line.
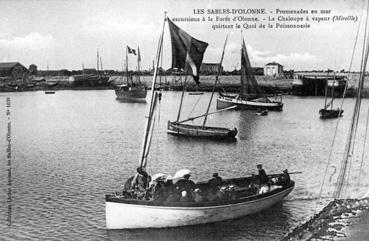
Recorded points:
337,123
363,152
193,107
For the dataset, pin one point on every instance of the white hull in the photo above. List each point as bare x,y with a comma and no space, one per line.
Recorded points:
225,102
131,216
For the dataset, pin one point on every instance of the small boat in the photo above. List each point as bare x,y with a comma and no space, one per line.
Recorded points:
127,213
48,92
251,97
179,61
132,91
262,112
326,112
216,133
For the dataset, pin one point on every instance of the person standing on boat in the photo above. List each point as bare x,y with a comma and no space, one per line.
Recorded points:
185,184
263,177
140,182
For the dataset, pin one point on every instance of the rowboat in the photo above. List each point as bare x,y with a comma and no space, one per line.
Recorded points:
127,213
219,133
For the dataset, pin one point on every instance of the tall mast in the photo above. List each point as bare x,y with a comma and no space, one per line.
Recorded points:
216,81
145,145
138,63
101,65
97,60
127,66
334,80
326,91
182,96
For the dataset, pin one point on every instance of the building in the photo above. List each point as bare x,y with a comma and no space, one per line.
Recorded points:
273,69
13,71
210,68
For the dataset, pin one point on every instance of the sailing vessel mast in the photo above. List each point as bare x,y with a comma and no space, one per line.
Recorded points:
149,125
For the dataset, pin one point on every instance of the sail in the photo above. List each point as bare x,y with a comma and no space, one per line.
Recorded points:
249,86
187,52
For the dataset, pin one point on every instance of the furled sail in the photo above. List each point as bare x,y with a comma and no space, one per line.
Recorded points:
187,52
249,86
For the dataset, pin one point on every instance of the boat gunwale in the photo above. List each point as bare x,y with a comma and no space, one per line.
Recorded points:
194,205
204,128
237,100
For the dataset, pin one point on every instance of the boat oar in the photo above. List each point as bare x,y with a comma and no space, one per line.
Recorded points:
281,173
210,113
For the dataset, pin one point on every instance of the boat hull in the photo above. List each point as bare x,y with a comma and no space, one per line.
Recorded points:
330,114
131,93
120,215
219,133
225,102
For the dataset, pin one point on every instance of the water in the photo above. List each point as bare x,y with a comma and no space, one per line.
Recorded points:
72,148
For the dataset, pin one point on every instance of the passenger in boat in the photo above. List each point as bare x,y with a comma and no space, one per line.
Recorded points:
216,180
159,191
263,177
171,192
197,195
185,184
140,182
285,178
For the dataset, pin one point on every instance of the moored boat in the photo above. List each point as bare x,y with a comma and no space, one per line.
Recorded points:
49,92
250,96
218,133
128,213
330,114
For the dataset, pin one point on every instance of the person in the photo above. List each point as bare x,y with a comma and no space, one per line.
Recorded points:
263,178
171,193
140,182
216,180
185,184
159,191
197,195
285,178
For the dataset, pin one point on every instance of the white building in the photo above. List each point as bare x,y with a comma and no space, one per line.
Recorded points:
273,69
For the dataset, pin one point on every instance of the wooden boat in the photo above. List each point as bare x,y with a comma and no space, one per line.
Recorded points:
198,131
250,96
326,112
49,92
132,91
175,128
127,213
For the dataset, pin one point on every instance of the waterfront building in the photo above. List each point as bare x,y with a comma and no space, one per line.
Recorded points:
210,68
273,69
13,71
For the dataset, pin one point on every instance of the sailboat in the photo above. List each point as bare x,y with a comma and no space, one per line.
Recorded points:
125,212
326,112
182,61
132,91
250,96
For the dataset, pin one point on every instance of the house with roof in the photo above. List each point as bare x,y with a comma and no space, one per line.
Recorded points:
13,71
210,68
273,69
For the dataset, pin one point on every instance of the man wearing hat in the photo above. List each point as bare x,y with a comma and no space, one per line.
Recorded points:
185,184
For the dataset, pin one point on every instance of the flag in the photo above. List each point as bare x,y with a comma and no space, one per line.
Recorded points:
130,50
187,52
138,54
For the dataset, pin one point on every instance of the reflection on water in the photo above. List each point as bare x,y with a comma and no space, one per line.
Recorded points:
72,148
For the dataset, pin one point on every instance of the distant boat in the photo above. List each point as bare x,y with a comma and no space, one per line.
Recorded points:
326,112
49,92
132,91
250,96
179,61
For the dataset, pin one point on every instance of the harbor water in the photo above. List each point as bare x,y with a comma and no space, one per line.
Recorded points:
70,148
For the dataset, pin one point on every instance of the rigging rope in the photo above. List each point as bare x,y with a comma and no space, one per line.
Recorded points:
337,123
193,107
363,152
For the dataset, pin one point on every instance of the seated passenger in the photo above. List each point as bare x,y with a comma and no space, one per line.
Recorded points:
197,195
216,180
185,185
185,197
285,178
140,182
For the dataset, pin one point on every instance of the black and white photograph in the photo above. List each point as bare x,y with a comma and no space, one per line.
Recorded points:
193,120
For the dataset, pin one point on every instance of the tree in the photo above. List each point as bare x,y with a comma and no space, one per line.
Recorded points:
33,69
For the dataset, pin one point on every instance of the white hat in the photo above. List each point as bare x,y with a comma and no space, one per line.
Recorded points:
181,173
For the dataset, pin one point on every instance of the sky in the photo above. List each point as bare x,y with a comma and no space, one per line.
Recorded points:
66,34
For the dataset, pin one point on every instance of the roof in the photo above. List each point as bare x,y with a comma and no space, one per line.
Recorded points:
273,63
8,65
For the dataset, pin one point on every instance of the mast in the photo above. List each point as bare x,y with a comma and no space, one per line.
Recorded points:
101,65
146,141
216,81
180,103
138,63
127,66
326,91
334,79
97,60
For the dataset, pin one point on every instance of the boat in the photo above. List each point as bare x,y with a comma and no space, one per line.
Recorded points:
179,61
125,212
250,96
47,92
326,112
132,91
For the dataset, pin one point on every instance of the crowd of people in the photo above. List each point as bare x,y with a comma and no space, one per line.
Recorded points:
163,188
